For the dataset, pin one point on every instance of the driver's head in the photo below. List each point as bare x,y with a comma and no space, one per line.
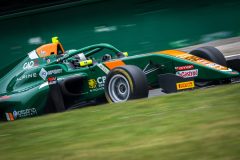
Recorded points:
54,48
80,57
106,57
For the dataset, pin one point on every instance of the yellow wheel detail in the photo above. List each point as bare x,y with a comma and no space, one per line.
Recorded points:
124,83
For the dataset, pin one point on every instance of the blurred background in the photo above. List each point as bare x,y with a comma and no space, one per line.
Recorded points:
135,26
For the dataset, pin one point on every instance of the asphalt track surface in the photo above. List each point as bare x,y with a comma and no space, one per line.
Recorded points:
229,47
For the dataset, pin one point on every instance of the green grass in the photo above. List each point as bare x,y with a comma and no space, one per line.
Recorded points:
197,125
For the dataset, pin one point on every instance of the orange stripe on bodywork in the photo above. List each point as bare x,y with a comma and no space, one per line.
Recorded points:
114,64
171,52
192,58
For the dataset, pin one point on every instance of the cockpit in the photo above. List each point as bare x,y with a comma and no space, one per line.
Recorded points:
55,53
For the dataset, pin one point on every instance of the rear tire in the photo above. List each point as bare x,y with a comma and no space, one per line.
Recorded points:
124,83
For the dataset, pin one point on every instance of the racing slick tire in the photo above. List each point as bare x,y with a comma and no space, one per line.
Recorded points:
124,83
212,54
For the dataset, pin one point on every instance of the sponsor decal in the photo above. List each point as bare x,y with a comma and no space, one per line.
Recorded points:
92,83
42,53
103,68
219,67
24,113
192,58
185,85
27,76
96,84
234,72
9,116
43,73
212,65
96,89
15,113
55,71
35,62
48,60
203,62
101,81
52,80
44,84
30,64
188,73
4,97
186,67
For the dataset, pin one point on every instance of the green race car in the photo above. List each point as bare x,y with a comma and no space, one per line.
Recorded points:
50,79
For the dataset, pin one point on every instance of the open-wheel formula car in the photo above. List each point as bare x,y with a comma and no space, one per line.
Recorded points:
50,79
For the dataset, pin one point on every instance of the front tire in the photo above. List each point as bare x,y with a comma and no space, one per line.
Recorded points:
210,53
214,55
124,83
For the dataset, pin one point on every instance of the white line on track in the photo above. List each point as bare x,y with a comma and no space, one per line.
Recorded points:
234,55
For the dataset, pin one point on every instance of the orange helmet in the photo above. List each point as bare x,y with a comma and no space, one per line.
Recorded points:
49,49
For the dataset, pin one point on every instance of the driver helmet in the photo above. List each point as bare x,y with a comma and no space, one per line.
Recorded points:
81,57
106,57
